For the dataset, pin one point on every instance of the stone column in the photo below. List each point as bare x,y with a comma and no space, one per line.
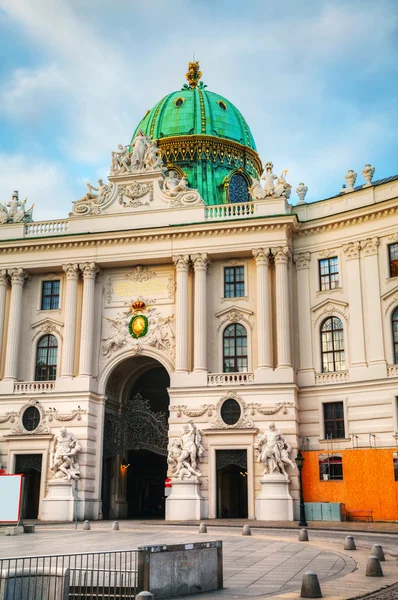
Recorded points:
264,331
89,271
3,289
182,264
68,347
200,264
302,262
18,277
357,333
373,315
281,257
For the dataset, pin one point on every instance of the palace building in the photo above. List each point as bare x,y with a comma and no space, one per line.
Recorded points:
191,295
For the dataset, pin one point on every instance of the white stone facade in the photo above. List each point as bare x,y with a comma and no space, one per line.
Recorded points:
171,252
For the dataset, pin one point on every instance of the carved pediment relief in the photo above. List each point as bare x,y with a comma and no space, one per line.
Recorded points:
47,326
390,299
234,314
329,307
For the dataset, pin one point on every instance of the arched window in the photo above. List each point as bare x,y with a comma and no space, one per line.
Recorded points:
238,189
395,334
235,349
332,343
46,358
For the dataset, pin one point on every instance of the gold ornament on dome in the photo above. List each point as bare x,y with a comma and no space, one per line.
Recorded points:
194,74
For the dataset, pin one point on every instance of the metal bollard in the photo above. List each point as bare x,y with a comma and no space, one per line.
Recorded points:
145,596
115,526
373,567
310,587
86,526
349,543
377,550
246,530
303,535
202,528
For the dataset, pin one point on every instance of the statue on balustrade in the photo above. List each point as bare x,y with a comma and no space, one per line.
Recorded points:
64,455
172,185
272,449
16,211
274,186
185,453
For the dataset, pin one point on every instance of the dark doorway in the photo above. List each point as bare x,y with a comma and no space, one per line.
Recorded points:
29,465
145,484
231,484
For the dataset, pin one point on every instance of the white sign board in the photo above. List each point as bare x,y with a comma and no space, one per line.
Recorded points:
11,497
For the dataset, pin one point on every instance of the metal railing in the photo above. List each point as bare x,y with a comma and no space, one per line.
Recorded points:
94,575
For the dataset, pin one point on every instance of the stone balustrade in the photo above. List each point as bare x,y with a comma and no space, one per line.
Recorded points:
229,211
46,228
33,387
392,371
230,378
335,377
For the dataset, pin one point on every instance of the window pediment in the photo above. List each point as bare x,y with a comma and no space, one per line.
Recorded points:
234,314
47,326
390,299
329,307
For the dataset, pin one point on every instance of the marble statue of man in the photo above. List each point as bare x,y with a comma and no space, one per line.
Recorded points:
14,204
186,452
102,190
121,159
64,453
172,185
152,159
139,147
269,179
273,451
282,188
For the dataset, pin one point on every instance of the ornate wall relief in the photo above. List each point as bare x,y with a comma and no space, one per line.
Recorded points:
135,194
157,286
327,308
47,326
234,314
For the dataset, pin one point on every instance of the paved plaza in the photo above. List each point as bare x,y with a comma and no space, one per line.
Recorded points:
267,564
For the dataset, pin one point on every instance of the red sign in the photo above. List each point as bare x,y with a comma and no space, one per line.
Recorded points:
168,483
2,472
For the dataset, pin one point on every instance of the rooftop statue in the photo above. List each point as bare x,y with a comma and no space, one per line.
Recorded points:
121,159
273,185
16,211
172,185
92,203
139,147
272,449
141,155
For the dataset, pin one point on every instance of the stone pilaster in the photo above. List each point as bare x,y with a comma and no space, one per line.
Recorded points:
182,264
68,347
18,277
90,272
281,257
264,330
200,265
306,365
4,280
357,337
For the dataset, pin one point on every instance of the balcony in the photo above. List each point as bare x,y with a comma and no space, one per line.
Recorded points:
45,228
230,378
33,387
220,212
334,377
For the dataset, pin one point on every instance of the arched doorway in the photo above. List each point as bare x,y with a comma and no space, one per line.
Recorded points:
135,440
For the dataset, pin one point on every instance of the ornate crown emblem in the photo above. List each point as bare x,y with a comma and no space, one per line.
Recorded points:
137,306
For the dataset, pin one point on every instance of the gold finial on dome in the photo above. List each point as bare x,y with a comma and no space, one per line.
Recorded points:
194,74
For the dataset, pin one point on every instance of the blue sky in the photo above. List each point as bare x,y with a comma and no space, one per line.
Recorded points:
316,80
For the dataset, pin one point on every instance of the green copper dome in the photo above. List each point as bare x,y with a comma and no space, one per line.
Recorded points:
203,136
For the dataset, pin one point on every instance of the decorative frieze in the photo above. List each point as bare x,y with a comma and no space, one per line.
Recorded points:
53,414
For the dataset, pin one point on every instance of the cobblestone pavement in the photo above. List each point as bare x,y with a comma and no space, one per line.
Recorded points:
269,564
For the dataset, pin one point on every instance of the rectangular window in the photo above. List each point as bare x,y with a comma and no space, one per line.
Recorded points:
50,295
330,467
234,283
395,463
393,253
329,273
333,415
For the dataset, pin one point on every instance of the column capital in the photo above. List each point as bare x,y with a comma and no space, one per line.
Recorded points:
89,269
181,262
200,261
351,250
18,275
71,270
281,255
261,256
370,245
302,260
4,277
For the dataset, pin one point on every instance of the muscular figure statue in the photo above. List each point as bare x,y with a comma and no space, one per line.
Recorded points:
172,185
185,452
63,459
273,450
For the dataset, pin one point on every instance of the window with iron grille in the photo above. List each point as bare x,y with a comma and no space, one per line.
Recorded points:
393,252
238,189
333,417
46,358
332,345
50,295
394,323
329,273
330,467
234,282
235,349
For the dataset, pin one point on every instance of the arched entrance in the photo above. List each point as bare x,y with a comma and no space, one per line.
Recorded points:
135,440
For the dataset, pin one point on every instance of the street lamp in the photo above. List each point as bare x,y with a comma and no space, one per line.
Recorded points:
300,464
